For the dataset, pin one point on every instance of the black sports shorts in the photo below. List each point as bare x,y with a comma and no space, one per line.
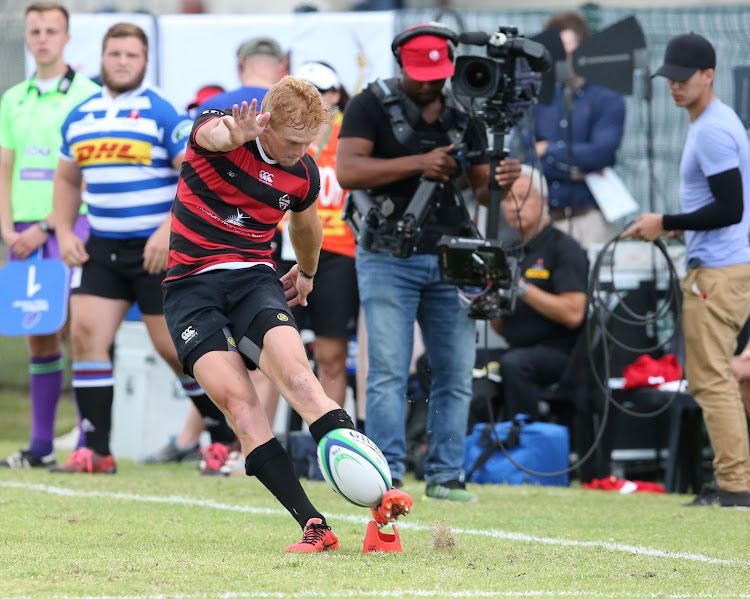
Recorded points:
333,306
115,271
215,310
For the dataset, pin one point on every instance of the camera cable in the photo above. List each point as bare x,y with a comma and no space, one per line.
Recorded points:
598,340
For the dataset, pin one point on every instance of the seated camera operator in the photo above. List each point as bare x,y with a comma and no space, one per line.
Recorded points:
395,291
551,305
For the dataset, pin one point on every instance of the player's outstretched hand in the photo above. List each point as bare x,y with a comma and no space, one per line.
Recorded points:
244,125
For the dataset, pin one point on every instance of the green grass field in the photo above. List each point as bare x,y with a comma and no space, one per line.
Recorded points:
165,532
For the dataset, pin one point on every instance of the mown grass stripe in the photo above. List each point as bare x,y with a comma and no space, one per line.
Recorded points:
406,593
404,525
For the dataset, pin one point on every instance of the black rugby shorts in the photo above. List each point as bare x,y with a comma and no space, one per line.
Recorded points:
115,271
200,306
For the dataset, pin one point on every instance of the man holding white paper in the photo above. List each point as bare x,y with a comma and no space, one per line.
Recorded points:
579,133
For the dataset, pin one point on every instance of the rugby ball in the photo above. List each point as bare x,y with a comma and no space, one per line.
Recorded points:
354,466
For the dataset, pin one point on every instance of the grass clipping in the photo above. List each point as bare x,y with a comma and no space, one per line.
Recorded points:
442,537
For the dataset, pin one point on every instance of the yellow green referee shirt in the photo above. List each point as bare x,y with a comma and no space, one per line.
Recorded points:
30,125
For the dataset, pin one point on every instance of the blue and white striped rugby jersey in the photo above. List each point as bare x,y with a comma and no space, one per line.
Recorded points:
125,147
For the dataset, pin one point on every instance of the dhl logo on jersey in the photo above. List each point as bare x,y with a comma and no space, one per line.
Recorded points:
112,150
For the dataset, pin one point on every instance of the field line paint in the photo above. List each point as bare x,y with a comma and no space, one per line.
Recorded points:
490,533
406,593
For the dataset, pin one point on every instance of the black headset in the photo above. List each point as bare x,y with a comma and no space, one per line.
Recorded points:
433,28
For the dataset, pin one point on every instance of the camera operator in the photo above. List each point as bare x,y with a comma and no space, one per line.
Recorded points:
397,290
547,320
577,134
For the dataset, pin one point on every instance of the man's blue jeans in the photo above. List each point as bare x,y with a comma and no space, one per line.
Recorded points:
394,292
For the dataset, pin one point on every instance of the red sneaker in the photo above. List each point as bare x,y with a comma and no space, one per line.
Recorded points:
215,460
315,538
87,460
395,503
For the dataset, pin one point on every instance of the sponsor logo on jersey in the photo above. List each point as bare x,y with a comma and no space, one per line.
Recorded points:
188,334
34,151
111,150
266,177
231,341
238,220
284,201
538,271
182,131
282,317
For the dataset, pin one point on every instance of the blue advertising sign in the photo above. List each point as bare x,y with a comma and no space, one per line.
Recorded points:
33,297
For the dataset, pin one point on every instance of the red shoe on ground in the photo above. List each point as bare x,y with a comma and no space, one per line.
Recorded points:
215,460
395,503
87,460
315,538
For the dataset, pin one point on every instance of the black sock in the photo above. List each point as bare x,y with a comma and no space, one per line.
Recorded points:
271,465
95,406
334,419
361,425
214,420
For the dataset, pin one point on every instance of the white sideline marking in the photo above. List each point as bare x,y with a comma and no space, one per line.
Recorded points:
402,593
495,534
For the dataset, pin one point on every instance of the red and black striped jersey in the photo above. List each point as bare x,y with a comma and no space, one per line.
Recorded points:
228,205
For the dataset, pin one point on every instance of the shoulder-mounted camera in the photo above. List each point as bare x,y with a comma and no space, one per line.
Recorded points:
508,78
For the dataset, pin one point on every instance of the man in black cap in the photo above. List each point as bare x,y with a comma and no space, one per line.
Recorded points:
715,195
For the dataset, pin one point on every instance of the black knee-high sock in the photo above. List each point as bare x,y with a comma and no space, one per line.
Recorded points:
94,391
213,418
334,419
95,406
271,465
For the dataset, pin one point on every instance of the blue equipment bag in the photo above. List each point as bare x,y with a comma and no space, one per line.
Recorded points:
539,446
33,297
303,452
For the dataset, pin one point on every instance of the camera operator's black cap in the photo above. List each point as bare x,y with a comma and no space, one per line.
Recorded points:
686,54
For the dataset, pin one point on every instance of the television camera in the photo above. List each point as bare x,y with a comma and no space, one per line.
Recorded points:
508,79
505,82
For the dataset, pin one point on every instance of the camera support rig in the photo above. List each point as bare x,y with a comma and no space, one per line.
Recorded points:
367,220
508,81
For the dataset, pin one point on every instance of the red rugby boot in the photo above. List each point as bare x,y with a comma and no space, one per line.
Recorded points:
87,460
315,538
395,503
